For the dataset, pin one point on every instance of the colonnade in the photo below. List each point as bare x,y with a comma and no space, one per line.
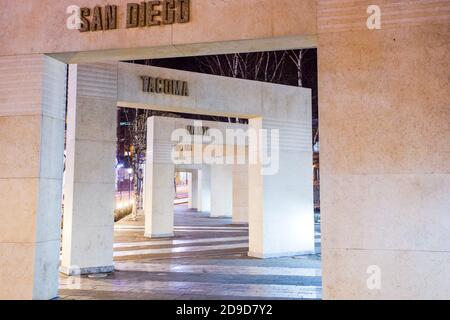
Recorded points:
277,206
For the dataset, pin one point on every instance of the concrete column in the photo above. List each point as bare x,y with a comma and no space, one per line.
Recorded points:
240,194
385,155
90,175
221,190
32,119
159,179
281,213
193,190
204,196
143,193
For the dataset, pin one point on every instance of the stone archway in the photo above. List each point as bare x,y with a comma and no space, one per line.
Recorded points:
280,204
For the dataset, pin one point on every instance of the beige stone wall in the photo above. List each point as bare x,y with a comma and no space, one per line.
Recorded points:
39,26
385,151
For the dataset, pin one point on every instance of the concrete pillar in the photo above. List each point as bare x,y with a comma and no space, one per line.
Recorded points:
193,190
90,175
240,194
32,120
159,179
204,196
221,190
281,213
385,154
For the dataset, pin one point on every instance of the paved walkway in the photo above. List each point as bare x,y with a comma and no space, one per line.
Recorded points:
207,259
